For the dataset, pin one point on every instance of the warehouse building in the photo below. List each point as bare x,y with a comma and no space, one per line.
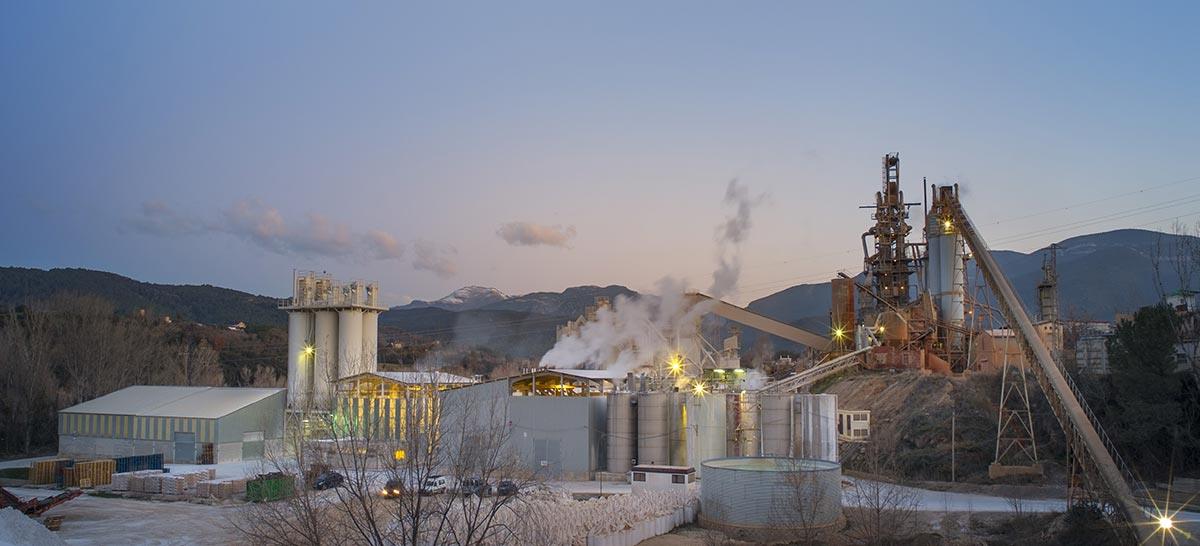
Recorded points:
555,419
185,424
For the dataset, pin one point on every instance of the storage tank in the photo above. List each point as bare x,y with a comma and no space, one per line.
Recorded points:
816,426
370,341
741,424
300,324
679,423
944,271
771,499
622,431
350,338
325,358
705,430
654,432
775,417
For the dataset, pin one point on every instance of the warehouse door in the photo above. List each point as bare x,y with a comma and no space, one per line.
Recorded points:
253,445
548,455
185,448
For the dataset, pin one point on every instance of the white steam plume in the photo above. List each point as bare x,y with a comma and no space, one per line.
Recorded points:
730,236
633,332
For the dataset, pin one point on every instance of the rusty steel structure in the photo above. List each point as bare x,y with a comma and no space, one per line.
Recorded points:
890,267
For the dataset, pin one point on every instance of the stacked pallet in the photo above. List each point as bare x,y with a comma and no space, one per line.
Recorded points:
173,485
90,473
221,489
150,483
47,471
123,481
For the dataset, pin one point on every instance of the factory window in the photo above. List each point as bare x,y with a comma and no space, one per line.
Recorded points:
639,476
678,478
860,417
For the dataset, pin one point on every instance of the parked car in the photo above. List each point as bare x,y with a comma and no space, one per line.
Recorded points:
435,484
506,488
328,480
394,488
475,486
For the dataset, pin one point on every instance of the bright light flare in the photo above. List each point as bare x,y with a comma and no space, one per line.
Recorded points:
309,350
699,388
675,364
1165,523
839,333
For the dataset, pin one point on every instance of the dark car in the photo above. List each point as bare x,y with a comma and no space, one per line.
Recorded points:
394,488
475,486
328,480
506,488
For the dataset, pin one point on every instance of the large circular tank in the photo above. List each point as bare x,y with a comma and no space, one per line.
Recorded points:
771,499
370,341
622,432
654,432
299,378
775,416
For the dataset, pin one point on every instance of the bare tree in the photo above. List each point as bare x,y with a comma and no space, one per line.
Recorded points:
385,458
885,510
27,376
806,494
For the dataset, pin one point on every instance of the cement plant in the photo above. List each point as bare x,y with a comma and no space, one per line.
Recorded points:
637,407
568,274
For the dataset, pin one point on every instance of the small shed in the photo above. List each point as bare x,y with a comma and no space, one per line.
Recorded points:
185,424
645,477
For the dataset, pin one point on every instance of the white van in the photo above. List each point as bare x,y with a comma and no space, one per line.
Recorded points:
435,484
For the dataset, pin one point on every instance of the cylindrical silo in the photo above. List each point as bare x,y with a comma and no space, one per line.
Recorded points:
350,336
622,431
679,423
325,358
299,379
370,341
654,429
741,424
775,418
771,499
705,430
816,426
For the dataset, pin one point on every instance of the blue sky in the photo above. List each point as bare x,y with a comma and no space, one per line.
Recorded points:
434,147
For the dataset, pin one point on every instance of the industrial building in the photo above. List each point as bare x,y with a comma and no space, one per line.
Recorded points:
185,424
333,333
384,403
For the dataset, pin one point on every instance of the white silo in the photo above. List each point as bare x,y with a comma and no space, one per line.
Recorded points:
350,342
370,341
300,358
816,426
325,358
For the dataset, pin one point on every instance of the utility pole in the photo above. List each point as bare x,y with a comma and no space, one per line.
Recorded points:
953,431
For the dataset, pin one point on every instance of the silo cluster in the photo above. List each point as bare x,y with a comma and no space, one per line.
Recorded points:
333,331
675,428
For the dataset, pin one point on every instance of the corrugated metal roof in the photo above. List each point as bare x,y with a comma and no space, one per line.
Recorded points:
162,401
419,378
586,374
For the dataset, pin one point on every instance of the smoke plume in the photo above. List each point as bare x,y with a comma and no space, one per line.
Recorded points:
634,331
730,236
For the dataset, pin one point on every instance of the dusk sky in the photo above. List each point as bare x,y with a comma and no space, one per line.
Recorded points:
536,146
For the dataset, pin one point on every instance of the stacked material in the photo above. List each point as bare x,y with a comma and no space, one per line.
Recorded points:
45,472
123,481
221,489
173,485
150,483
90,473
140,462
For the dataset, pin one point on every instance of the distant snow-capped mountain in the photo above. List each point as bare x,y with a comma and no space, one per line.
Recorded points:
463,299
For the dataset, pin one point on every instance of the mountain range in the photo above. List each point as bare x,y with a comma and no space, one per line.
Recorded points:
1099,275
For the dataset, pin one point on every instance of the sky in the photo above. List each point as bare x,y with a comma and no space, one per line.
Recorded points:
536,146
